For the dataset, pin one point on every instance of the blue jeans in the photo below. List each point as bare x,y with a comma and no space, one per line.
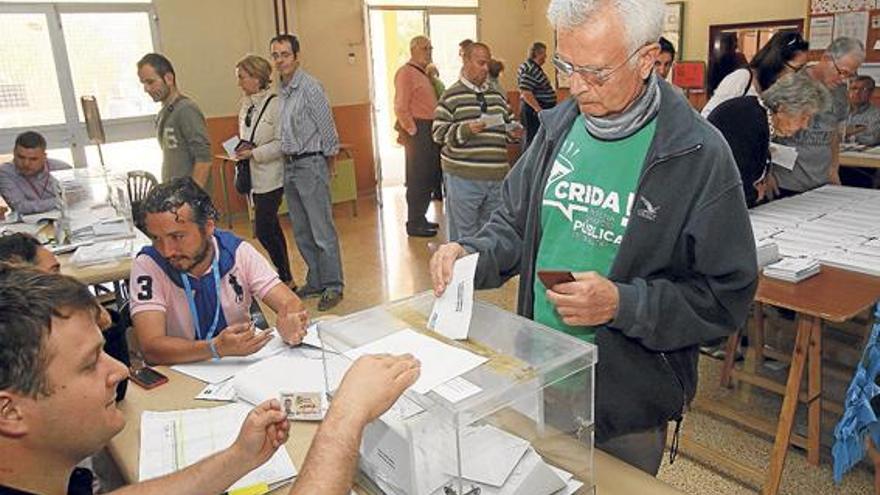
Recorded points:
307,189
469,204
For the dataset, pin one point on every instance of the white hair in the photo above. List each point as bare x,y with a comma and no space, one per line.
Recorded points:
642,19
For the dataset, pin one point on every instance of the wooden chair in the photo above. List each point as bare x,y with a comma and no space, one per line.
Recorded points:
140,183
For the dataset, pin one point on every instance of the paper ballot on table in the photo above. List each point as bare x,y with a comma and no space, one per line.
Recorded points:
216,371
222,392
173,440
784,156
440,362
451,315
230,144
289,372
457,390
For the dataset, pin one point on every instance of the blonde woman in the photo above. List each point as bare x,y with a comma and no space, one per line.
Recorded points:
256,125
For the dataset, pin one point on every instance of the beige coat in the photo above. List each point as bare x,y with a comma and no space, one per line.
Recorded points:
267,164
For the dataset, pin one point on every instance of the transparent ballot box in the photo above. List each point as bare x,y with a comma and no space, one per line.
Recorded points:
507,411
95,205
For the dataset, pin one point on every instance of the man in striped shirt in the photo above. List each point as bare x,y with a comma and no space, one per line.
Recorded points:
309,143
471,124
535,91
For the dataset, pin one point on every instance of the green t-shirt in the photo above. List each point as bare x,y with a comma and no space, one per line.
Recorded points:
587,204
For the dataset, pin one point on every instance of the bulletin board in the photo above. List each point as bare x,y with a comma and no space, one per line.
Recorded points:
830,19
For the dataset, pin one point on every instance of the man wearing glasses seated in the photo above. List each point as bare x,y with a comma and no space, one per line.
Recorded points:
472,124
638,199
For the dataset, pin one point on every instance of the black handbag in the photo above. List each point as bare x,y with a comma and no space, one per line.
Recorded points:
242,180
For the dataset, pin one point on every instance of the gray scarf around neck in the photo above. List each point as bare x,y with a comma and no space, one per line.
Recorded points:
628,122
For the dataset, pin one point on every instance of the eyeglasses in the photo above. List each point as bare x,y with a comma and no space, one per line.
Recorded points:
840,72
250,113
594,77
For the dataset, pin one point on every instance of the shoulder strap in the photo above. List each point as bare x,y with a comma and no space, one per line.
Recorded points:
749,84
260,116
416,67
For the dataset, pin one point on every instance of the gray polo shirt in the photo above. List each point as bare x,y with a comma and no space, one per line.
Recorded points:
813,146
183,137
868,116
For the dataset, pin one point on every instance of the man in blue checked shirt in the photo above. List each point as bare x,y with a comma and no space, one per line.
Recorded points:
310,143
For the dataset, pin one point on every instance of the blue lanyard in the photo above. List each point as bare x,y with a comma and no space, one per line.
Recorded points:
187,289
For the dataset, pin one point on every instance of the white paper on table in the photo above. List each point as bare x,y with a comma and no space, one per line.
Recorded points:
532,476
312,339
457,389
439,362
216,371
40,217
230,144
489,455
784,156
173,440
492,120
289,372
223,392
451,315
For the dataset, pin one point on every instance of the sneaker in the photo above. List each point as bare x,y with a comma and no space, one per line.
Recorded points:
329,299
307,292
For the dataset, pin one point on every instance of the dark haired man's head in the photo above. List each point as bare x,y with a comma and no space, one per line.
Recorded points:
284,49
29,153
57,386
25,249
158,77
179,218
538,52
664,60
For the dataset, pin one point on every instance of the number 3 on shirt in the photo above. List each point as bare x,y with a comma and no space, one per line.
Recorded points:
145,288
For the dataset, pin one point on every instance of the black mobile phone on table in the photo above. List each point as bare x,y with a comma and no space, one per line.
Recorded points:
147,377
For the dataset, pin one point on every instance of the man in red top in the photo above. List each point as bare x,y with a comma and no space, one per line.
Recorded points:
414,103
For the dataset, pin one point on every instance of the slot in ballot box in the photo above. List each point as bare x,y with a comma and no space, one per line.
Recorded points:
507,411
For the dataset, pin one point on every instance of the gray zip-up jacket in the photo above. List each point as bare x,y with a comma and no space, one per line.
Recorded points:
686,269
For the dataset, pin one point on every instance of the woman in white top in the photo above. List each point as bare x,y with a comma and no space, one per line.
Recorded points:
784,53
256,124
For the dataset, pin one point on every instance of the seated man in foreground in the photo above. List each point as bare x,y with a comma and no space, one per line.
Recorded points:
191,291
57,405
26,184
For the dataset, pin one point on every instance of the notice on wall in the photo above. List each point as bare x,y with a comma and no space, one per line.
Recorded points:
821,32
851,24
832,6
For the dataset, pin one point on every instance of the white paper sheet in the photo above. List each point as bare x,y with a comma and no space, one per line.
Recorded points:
230,144
784,156
222,392
492,120
440,362
451,315
212,371
489,455
289,371
821,32
173,440
457,389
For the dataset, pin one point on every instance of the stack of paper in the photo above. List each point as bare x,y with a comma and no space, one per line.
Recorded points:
793,269
173,440
768,252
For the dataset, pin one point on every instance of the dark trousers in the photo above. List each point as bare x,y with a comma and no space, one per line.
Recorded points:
529,119
422,172
858,177
269,233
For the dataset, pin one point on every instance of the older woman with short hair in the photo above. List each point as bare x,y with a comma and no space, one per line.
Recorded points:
256,124
749,122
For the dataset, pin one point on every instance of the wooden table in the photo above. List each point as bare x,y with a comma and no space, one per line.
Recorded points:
835,295
613,477
859,159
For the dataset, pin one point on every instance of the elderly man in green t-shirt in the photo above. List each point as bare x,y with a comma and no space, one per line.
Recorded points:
627,188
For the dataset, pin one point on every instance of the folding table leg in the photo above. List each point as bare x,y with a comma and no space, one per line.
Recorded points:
789,404
814,390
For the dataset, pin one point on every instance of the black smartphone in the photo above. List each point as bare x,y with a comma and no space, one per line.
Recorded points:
553,277
147,377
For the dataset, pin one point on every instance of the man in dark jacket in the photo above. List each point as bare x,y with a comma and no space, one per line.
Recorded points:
629,189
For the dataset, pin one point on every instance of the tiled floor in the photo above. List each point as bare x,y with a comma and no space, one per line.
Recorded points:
381,263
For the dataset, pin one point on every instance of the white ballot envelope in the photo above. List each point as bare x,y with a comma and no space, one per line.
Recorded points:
230,144
492,120
452,311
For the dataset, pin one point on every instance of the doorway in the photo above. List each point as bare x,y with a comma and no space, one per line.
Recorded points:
390,29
